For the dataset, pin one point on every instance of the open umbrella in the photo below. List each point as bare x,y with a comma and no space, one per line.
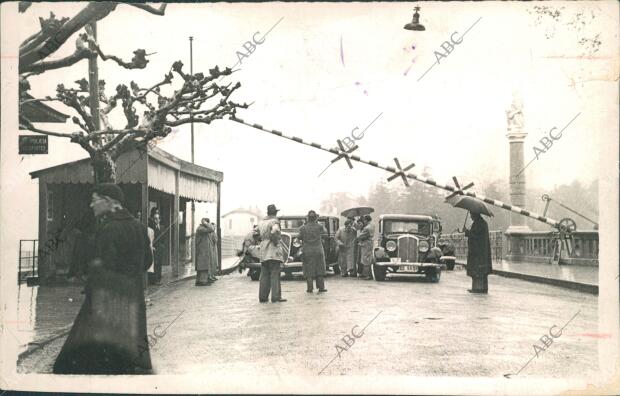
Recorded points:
359,211
468,203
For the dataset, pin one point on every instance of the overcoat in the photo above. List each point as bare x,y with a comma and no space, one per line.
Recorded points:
366,244
270,235
206,248
478,249
109,333
346,247
313,254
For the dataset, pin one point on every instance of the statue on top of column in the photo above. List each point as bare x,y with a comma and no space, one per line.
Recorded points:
514,115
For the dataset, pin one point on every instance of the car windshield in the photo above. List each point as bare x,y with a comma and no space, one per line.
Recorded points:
291,224
391,227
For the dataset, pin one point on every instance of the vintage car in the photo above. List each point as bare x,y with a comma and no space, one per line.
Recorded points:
293,248
408,245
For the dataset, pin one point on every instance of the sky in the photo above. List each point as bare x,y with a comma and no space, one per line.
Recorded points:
326,69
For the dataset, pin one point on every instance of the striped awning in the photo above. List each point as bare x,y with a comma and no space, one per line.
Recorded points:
159,169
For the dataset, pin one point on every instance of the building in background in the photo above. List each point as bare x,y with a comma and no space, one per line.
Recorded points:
240,221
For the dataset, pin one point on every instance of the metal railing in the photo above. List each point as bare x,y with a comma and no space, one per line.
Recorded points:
28,259
538,246
496,239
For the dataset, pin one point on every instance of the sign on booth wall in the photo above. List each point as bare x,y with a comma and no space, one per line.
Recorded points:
33,144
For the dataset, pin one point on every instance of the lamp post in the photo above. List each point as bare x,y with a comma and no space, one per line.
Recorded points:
415,22
193,236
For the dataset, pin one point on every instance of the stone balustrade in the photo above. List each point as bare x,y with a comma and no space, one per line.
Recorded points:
534,247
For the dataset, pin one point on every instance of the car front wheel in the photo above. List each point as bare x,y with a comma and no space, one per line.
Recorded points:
379,272
433,275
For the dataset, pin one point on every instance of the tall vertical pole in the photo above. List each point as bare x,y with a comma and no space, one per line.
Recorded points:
516,136
192,225
93,81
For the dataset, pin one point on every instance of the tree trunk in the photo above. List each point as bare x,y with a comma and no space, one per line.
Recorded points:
104,168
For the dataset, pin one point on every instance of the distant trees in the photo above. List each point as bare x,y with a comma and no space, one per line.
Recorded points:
423,199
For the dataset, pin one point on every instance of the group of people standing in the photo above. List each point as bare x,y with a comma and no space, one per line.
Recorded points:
355,234
355,240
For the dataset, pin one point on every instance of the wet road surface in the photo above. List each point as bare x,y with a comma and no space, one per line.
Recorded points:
413,328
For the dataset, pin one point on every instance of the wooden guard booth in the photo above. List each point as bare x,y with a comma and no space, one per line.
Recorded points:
152,179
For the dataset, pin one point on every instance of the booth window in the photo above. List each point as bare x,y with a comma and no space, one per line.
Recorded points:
50,206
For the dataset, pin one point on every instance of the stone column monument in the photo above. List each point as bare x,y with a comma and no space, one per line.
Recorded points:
516,135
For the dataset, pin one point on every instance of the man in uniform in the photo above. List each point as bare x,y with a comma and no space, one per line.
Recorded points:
272,257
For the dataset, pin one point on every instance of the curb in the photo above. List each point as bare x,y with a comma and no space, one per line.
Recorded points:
578,286
35,345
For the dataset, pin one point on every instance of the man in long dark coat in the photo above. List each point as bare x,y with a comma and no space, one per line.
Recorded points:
345,239
206,253
314,256
478,254
365,239
109,333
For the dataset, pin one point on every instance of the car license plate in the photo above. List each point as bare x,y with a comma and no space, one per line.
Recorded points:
411,268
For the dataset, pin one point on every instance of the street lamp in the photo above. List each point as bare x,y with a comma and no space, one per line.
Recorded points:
415,22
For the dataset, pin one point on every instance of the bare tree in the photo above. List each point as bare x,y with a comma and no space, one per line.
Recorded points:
149,112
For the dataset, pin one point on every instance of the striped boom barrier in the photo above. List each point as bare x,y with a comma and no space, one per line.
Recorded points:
399,172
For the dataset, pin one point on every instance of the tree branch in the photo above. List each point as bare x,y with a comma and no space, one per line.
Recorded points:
40,67
26,124
157,11
138,61
94,11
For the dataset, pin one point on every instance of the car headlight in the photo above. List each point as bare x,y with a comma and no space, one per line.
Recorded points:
296,242
390,246
423,247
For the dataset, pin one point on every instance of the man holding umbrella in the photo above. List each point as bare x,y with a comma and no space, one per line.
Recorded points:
478,245
478,254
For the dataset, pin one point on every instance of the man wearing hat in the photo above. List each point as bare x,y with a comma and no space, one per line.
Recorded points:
311,234
366,244
272,257
108,334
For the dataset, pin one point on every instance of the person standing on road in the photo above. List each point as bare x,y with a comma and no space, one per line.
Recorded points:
313,264
213,271
206,253
272,257
158,244
109,333
478,254
366,244
345,239
358,225
250,242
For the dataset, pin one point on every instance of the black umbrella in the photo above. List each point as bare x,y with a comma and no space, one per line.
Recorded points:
359,211
468,203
